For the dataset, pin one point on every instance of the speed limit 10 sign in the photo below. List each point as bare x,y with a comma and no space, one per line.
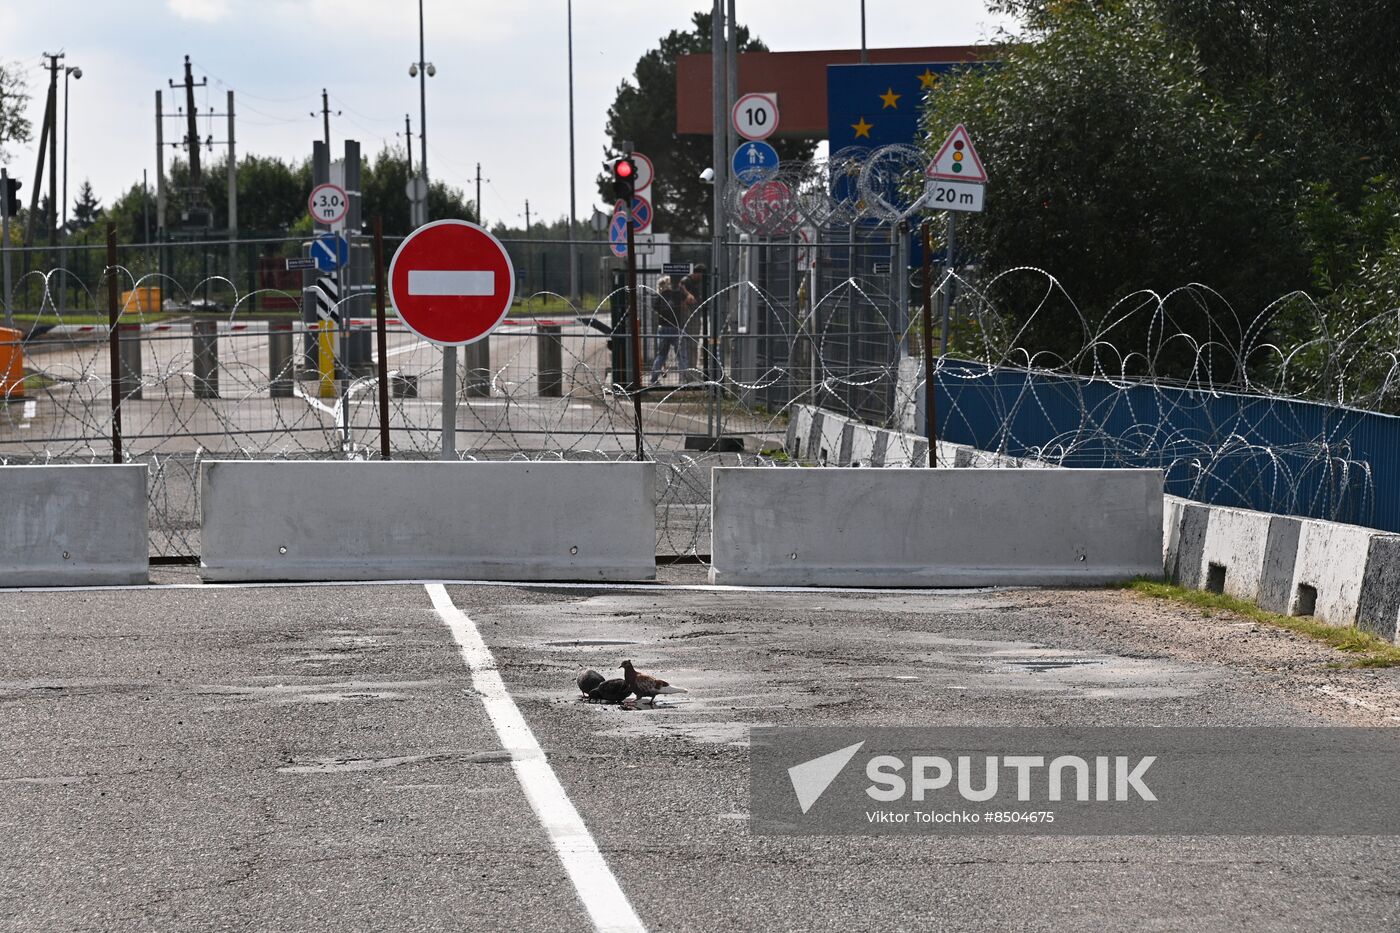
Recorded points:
328,204
755,116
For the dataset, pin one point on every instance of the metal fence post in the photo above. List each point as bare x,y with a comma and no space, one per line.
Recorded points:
550,353
206,359
129,378
476,358
280,369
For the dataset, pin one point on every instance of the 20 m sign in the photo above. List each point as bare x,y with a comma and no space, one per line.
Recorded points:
953,196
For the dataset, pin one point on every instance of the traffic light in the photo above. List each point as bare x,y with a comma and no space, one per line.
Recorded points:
624,180
11,195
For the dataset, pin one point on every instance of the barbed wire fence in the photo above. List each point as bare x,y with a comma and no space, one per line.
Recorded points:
816,305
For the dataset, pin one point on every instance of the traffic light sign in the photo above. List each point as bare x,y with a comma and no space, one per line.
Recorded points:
624,179
11,195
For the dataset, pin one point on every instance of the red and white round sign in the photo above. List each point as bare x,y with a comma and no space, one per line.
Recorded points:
328,204
451,282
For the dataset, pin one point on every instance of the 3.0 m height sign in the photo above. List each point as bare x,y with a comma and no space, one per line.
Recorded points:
328,204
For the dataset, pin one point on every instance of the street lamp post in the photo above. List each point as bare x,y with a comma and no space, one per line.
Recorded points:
422,70
75,72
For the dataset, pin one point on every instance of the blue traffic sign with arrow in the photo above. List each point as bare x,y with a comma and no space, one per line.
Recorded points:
755,161
331,252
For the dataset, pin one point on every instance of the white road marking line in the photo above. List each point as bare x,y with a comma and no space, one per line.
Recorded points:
593,881
455,283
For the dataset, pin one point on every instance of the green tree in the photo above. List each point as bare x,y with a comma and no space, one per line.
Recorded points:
14,98
1117,168
87,210
644,113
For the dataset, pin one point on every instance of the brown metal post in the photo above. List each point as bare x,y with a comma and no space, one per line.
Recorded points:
636,332
930,389
114,358
383,337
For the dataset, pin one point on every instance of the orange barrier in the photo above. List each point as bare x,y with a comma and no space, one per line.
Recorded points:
144,299
11,364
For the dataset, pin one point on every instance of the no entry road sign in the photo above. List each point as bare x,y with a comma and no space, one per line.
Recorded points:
451,282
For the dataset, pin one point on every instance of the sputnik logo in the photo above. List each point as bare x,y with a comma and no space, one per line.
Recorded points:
811,778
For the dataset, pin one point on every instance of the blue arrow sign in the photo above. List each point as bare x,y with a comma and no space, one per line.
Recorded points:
755,161
331,251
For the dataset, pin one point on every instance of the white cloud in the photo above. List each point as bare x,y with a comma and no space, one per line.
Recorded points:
204,11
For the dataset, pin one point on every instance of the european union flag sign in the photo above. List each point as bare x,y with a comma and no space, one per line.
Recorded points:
878,105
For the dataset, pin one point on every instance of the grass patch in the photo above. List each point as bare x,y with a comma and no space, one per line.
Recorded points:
1373,650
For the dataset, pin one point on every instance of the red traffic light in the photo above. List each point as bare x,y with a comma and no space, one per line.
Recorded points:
624,168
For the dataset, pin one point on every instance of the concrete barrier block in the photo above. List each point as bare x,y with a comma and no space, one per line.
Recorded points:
1232,552
1280,557
825,446
308,520
1329,570
848,432
799,426
73,525
862,449
833,527
1378,610
1188,565
1172,509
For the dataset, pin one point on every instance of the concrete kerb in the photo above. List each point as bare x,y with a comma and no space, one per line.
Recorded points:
934,527
73,525
528,521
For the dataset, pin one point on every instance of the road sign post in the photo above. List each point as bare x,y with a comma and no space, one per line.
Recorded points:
452,283
636,331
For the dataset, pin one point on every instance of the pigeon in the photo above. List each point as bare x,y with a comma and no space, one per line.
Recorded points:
588,679
611,691
646,686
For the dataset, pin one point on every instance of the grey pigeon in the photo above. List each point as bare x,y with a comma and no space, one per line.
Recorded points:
611,691
647,686
588,679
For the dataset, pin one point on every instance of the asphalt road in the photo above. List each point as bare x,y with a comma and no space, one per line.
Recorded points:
322,758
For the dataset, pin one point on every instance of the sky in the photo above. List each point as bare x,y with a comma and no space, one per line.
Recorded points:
500,95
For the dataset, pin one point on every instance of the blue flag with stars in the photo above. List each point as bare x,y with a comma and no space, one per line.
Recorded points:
877,105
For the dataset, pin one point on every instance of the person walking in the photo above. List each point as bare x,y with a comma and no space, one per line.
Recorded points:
668,308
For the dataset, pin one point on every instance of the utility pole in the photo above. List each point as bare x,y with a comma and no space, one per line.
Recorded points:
192,133
160,169
47,142
326,117
527,217
478,195
196,203
232,197
864,55
408,143
423,107
53,149
573,173
5,240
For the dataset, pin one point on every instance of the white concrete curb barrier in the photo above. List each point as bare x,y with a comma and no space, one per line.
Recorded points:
73,525
313,520
842,527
